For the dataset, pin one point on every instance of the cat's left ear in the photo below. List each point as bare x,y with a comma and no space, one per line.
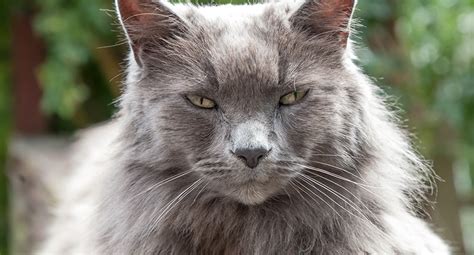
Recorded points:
331,18
147,23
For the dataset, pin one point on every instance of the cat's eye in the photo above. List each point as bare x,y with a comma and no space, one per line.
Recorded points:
292,97
201,102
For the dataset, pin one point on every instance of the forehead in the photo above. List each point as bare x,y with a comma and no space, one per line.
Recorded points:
249,49
243,54
236,13
241,42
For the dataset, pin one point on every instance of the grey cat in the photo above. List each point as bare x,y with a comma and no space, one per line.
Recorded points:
244,130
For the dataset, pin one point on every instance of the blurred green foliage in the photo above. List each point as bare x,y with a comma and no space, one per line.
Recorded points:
420,51
70,30
427,59
5,117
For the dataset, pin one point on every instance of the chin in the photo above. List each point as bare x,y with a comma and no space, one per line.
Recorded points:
253,193
250,197
250,188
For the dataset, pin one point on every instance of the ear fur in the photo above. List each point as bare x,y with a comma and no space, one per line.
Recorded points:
145,22
325,17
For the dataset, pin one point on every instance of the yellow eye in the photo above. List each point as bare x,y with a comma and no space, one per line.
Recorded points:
201,102
292,97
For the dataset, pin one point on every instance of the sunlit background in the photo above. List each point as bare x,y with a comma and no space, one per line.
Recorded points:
60,71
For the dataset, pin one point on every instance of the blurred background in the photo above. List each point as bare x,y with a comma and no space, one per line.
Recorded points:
60,71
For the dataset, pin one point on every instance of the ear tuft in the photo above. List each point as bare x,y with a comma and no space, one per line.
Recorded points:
325,17
147,21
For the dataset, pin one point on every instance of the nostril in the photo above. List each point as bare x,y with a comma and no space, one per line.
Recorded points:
251,156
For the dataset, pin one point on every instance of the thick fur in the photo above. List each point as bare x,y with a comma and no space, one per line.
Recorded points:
341,177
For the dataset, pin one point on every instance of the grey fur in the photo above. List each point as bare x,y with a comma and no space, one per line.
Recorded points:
341,176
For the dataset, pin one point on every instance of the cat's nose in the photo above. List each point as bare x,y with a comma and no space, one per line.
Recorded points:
251,157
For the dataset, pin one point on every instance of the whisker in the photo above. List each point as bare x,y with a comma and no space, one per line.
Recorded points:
332,191
362,186
163,182
345,199
111,46
172,204
178,198
144,14
338,176
288,194
340,168
116,76
337,156
324,201
199,193
297,190
346,189
329,197
354,158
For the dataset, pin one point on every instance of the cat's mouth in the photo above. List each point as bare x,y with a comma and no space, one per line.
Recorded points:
252,192
249,187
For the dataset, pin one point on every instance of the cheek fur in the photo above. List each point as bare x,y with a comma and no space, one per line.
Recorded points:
193,129
309,124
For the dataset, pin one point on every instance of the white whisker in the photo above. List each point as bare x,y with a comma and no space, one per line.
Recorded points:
346,189
163,182
339,168
199,193
345,199
364,186
172,204
320,198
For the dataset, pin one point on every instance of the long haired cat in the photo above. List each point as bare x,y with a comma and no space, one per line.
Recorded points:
244,130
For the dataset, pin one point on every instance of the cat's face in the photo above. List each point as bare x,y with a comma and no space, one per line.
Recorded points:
247,101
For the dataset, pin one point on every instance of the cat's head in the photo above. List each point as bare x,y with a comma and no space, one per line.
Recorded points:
248,96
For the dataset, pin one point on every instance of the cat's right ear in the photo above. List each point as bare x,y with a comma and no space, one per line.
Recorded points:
147,23
331,18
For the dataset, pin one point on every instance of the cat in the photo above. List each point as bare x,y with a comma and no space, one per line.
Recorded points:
244,130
